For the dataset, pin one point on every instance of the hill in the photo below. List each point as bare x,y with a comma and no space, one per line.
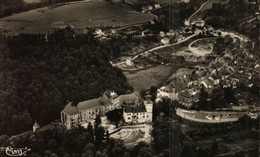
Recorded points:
38,78
76,15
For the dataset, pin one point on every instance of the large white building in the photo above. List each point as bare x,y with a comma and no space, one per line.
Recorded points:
168,91
73,115
138,112
85,111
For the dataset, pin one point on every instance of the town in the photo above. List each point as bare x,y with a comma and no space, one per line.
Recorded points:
153,78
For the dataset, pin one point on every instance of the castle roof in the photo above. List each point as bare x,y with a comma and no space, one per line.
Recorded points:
70,109
129,97
88,104
135,108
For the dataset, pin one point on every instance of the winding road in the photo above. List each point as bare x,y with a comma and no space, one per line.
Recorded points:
160,47
189,19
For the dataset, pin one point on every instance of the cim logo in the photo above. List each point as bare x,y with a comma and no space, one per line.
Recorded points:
15,151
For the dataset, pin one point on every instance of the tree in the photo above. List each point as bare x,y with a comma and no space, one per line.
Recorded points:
88,154
146,152
217,96
107,136
90,130
214,148
115,116
118,149
99,134
90,147
203,99
97,121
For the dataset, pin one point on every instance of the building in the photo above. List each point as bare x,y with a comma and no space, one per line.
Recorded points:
129,63
210,117
199,23
157,6
168,91
75,114
188,98
36,126
139,111
165,41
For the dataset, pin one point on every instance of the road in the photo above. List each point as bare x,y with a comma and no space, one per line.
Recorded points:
160,47
189,19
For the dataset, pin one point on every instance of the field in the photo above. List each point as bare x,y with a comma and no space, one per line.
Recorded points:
144,79
78,15
32,1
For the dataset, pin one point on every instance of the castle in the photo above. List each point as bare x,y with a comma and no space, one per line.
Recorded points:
135,110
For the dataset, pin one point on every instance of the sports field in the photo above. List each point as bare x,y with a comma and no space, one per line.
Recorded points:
77,15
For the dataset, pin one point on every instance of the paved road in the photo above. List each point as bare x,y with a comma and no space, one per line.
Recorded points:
159,47
189,19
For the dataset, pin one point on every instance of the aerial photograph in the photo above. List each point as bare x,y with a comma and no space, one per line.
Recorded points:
129,78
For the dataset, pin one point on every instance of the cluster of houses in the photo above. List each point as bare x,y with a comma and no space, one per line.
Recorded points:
135,109
226,71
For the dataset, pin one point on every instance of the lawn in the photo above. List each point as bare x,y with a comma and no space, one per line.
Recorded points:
81,15
146,78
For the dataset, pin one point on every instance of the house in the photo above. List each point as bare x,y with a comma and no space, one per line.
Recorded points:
167,92
162,34
129,63
157,6
207,83
186,22
199,23
188,98
170,33
75,114
139,112
165,41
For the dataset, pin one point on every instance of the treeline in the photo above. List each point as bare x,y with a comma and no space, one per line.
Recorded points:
38,78
10,7
54,140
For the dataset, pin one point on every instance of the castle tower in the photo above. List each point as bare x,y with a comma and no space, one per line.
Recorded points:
36,126
149,109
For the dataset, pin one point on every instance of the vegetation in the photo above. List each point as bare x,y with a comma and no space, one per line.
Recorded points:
39,77
115,116
54,140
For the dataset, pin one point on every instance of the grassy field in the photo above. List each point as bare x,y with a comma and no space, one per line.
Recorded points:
80,15
144,79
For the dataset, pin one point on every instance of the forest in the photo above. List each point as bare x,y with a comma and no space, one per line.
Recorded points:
41,73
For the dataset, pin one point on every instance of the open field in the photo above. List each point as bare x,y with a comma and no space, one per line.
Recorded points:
31,1
202,47
146,78
78,15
